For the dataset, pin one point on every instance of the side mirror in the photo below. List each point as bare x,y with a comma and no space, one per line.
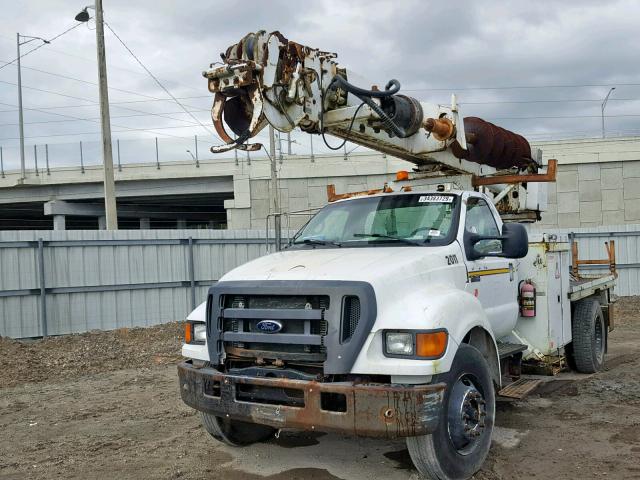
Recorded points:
514,239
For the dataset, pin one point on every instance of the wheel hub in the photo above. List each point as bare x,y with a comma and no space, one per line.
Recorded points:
467,413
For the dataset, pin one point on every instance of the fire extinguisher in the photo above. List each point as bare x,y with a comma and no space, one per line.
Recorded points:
527,299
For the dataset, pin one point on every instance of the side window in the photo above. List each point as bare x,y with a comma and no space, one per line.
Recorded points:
480,221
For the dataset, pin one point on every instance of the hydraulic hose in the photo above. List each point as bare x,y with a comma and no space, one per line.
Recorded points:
392,87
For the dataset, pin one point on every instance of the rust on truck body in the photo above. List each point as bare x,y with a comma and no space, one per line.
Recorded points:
370,410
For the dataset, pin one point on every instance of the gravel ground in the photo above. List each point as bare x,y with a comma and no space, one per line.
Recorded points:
107,405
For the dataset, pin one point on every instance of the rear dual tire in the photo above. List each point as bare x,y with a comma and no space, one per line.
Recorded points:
589,332
461,442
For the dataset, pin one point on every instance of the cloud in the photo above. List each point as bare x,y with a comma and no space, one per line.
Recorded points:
433,48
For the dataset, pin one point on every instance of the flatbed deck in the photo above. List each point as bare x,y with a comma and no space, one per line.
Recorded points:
587,286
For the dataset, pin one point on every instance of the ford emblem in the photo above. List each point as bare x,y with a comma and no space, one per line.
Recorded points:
269,326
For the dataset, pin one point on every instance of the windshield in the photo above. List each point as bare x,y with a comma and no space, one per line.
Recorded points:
416,219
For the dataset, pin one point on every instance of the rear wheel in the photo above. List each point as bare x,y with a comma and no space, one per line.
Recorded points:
235,432
589,332
461,442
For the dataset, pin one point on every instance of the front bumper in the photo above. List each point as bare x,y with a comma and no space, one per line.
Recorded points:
372,410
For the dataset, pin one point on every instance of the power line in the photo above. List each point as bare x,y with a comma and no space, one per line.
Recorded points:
42,90
67,77
156,79
96,121
58,107
93,103
564,117
517,87
598,100
77,119
42,45
149,97
93,60
127,129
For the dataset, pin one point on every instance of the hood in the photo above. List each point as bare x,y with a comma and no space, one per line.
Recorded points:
357,264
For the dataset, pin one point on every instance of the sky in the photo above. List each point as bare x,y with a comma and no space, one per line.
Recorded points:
538,68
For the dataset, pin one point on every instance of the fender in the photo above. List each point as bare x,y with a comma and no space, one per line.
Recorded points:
199,314
437,306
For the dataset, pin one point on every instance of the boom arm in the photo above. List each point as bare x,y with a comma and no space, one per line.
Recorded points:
267,79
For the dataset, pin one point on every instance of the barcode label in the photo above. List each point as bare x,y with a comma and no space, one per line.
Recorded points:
436,199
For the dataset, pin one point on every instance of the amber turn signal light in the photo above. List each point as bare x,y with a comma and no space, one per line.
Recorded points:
188,332
432,344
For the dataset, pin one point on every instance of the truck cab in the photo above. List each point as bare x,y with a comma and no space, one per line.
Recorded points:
381,318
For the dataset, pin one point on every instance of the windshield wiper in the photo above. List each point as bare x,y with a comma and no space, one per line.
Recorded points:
318,241
391,237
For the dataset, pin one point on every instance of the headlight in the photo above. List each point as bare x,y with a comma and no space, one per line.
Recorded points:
195,332
430,344
200,332
399,343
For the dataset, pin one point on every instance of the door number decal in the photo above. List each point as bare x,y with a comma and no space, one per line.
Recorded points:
451,259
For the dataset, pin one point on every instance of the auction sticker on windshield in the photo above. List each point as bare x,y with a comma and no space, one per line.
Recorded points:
436,199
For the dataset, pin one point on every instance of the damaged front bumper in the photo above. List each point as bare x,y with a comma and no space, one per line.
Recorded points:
369,410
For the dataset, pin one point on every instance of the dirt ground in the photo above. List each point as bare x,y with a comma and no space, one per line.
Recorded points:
107,405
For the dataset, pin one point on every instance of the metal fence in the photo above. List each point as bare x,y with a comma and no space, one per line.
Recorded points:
58,282
54,283
41,158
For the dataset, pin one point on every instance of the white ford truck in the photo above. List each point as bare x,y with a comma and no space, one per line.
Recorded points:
392,315
397,314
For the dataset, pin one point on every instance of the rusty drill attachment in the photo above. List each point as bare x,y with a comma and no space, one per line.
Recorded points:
494,146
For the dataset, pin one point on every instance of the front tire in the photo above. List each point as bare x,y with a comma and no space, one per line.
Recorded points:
461,442
234,432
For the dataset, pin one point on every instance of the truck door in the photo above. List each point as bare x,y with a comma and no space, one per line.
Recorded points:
491,279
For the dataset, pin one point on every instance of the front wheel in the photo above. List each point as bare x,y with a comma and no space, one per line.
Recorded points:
234,432
461,442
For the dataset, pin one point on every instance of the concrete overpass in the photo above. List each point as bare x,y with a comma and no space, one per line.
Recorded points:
598,184
208,194
178,194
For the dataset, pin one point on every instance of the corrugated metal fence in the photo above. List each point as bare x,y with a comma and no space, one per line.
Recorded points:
53,283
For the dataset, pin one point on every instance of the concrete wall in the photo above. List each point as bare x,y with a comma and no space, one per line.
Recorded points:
302,185
598,183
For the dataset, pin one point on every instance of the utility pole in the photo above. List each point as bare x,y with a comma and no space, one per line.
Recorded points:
111,213
288,143
274,188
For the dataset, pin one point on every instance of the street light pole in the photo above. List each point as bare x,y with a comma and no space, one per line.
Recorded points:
20,111
110,210
20,114
604,104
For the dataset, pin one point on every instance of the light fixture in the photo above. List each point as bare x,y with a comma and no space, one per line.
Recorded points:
84,16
